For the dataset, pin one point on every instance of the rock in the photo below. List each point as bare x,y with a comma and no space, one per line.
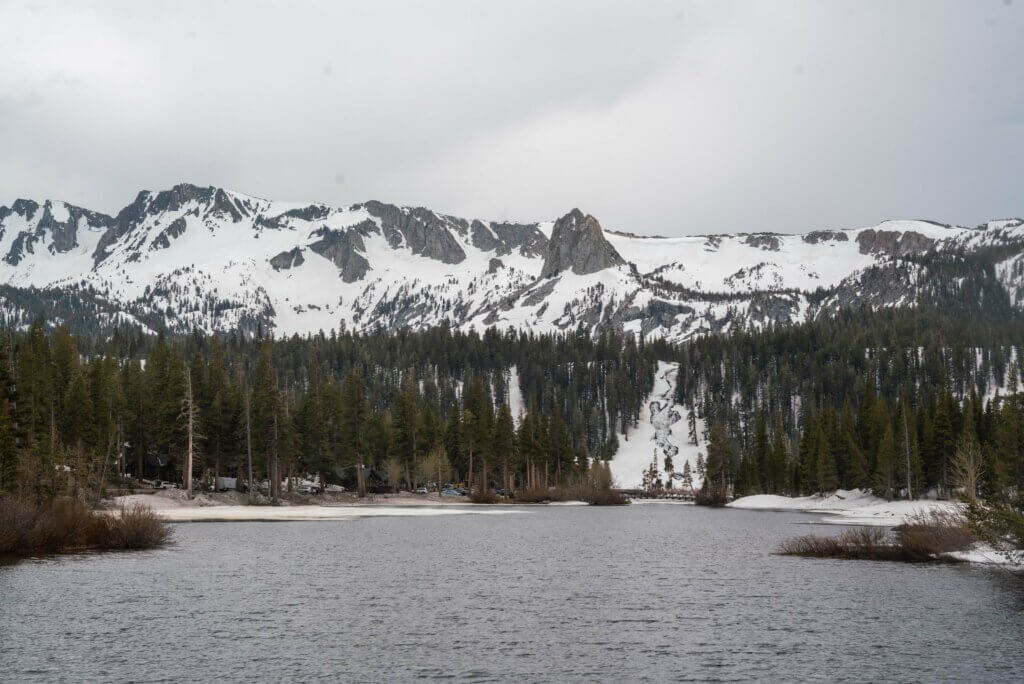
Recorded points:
423,231
893,242
816,236
483,238
62,233
527,237
494,264
765,241
340,246
163,239
287,260
578,244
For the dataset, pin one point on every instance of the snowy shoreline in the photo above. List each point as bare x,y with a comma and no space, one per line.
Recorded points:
848,507
857,507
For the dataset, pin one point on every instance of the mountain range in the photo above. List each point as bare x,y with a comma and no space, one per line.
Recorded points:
212,259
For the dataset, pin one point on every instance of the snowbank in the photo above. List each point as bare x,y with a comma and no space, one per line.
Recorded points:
842,499
294,513
847,507
986,555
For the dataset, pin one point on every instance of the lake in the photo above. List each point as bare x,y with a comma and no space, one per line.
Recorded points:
649,592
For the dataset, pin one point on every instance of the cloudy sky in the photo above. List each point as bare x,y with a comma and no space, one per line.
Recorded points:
656,117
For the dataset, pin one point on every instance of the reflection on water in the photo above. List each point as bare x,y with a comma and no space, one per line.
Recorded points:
561,593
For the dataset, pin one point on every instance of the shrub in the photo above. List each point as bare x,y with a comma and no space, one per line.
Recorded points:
999,524
860,543
67,525
925,537
605,497
483,496
137,527
930,534
538,495
715,497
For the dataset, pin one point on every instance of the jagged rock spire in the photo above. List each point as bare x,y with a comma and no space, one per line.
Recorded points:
578,244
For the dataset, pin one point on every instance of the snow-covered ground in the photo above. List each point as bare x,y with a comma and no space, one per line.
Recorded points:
173,506
847,507
662,431
858,507
292,513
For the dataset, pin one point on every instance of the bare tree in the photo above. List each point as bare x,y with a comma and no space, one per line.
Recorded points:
968,466
188,412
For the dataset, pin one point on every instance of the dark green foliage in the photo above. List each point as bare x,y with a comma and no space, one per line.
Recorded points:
81,410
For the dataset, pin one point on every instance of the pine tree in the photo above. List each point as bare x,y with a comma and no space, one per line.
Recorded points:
687,476
720,450
504,444
884,479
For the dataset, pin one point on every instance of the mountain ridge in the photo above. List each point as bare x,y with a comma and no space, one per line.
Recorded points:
219,260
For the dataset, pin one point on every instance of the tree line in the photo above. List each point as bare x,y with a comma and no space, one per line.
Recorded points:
400,409
900,402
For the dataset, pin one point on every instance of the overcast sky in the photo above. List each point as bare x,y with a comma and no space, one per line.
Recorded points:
656,117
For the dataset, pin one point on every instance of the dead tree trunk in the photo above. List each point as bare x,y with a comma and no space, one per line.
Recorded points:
190,417
248,442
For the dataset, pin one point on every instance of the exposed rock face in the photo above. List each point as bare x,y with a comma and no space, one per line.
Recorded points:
483,238
777,309
340,247
816,236
765,241
540,293
524,236
210,204
289,259
504,238
578,244
656,313
171,232
314,212
893,242
423,231
174,199
59,221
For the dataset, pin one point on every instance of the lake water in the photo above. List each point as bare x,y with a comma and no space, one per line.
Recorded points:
648,592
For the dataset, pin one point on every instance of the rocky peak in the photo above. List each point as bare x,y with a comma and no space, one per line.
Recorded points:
345,248
424,232
578,244
57,224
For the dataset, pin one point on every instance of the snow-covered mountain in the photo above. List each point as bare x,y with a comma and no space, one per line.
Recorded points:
213,259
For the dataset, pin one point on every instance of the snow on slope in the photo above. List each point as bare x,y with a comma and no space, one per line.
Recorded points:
202,257
662,431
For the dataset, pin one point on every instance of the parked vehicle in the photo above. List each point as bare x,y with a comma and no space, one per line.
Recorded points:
421,490
308,489
223,484
452,492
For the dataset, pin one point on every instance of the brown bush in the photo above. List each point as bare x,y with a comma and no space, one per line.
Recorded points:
605,497
483,496
538,495
925,537
67,525
137,527
715,498
932,534
860,543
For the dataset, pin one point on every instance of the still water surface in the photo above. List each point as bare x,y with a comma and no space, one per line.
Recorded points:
648,593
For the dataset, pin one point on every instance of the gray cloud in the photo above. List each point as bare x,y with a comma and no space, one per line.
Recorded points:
661,117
